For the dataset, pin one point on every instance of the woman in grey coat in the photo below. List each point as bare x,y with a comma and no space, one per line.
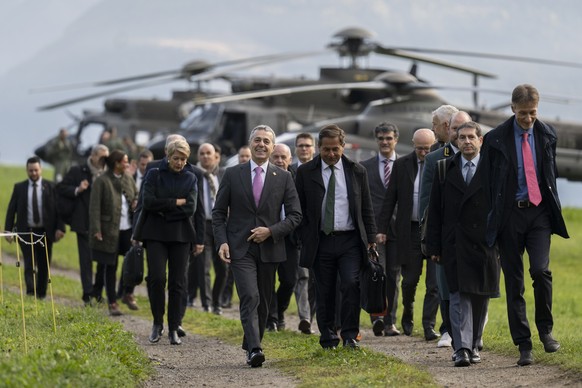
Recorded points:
113,197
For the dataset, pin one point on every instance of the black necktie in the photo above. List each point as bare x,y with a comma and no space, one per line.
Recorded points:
35,213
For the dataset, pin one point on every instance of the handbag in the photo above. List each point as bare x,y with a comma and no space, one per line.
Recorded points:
132,268
373,285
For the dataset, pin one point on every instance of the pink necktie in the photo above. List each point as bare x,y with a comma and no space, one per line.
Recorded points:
257,185
386,172
533,189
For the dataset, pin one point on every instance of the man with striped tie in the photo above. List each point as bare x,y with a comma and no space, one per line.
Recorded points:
379,170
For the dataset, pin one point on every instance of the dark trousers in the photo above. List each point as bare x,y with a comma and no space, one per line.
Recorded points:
287,271
527,229
254,281
106,276
226,299
388,259
199,270
338,254
41,263
220,267
174,255
85,265
410,277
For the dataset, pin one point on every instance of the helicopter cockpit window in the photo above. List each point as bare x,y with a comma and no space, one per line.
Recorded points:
203,118
89,135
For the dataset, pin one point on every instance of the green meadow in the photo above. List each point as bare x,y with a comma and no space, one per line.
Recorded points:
87,349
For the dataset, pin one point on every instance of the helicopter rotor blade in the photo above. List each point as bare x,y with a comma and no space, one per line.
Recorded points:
189,70
505,57
403,54
105,93
291,90
553,98
204,75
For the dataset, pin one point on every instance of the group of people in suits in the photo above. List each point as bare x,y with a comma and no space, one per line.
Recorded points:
486,199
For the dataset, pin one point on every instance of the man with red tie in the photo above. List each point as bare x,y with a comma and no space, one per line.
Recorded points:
520,156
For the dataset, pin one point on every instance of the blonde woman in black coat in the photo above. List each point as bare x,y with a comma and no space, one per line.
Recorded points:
169,195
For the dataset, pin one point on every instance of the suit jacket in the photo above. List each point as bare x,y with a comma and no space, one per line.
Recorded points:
66,188
430,163
311,190
18,205
235,212
400,192
457,219
378,191
501,163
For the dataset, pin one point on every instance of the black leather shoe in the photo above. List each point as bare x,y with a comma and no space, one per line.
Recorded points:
407,328
525,358
305,327
255,358
430,334
462,358
550,344
475,357
174,338
181,332
378,328
157,331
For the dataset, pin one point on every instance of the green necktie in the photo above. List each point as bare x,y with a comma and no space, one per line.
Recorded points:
329,203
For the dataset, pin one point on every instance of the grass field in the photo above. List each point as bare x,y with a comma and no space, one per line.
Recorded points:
300,356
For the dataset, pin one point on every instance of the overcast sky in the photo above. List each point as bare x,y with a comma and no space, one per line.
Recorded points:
54,42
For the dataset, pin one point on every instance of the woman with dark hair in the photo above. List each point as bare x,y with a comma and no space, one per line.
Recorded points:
169,195
113,197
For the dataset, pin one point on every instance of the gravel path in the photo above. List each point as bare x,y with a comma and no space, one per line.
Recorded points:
209,362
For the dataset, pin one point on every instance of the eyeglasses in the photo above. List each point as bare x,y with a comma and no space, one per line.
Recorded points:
303,146
387,138
425,149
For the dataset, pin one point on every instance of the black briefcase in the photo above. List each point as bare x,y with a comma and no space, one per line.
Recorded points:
373,285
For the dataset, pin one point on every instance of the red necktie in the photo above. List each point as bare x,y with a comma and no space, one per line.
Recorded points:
533,189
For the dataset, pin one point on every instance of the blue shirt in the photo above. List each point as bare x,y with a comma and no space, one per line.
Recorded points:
522,193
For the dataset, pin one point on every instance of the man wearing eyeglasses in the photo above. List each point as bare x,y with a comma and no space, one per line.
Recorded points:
379,170
403,191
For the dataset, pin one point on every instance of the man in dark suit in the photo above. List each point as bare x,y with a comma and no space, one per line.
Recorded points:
430,163
305,288
33,203
287,270
337,229
379,171
249,232
456,224
403,191
76,185
521,162
199,271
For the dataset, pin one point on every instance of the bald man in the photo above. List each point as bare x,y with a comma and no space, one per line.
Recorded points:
403,190
287,270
